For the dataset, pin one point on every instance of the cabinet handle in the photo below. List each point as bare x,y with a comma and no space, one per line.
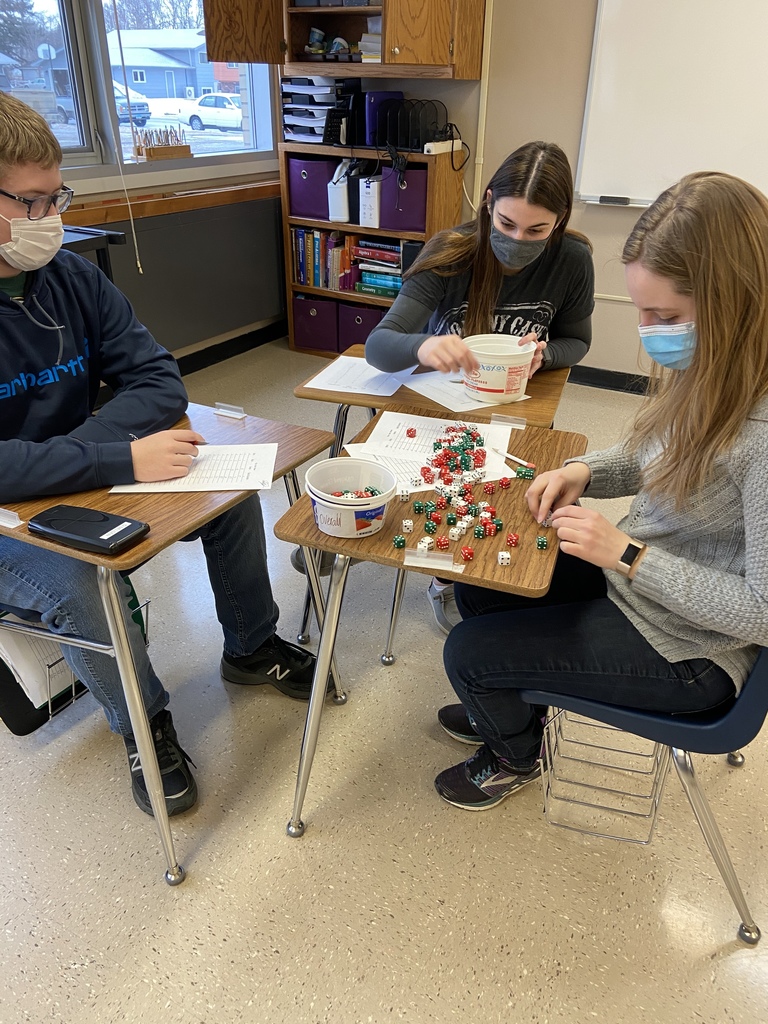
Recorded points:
313,312
304,175
396,51
358,320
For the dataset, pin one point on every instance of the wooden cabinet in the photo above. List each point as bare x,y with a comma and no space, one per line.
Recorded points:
443,210
420,38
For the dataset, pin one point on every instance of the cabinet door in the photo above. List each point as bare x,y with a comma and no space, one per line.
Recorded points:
417,33
245,31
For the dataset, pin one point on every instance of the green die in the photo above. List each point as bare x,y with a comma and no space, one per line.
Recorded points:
451,519
418,507
430,527
398,540
430,506
465,462
541,543
523,473
472,510
479,532
498,523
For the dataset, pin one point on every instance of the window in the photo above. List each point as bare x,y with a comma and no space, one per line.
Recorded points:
97,83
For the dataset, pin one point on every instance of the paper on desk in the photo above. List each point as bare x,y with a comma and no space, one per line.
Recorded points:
219,467
348,373
390,443
445,389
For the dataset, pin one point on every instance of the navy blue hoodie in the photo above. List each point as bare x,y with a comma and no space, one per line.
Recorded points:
78,330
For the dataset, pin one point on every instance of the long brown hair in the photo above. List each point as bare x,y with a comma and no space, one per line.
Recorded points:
708,235
538,172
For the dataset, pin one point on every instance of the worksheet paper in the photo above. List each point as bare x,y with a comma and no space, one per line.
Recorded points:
448,390
219,467
349,373
31,658
390,446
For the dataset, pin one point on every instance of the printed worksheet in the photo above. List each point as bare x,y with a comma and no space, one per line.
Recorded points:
447,389
348,373
219,467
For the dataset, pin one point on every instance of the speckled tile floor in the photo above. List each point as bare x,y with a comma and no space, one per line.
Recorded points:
394,906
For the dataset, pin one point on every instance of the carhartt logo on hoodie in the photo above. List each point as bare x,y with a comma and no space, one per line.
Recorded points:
52,375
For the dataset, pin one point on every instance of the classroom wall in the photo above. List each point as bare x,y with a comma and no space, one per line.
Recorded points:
539,70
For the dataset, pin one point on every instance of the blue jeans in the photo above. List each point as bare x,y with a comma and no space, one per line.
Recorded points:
63,594
572,640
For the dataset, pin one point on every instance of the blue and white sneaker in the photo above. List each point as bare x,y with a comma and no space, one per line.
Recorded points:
481,781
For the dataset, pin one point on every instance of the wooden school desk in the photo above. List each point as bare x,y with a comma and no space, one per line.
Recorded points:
171,515
530,571
545,389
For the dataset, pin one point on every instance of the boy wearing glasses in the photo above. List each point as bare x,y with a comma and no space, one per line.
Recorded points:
64,328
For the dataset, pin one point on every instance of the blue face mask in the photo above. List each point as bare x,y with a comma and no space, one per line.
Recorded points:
670,345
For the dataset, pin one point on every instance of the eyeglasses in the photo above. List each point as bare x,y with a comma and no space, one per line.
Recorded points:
40,206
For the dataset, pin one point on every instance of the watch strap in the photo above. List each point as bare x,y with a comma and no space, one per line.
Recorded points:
631,553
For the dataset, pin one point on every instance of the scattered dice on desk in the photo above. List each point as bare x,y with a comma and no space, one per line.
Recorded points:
541,543
410,432
435,517
524,473
467,554
455,533
489,488
416,481
504,483
504,558
418,507
407,526
398,540
479,532
489,529
513,539
440,502
442,543
430,527
498,523
425,544
429,506
451,519
405,494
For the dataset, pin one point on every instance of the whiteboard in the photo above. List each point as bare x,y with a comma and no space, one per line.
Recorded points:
675,86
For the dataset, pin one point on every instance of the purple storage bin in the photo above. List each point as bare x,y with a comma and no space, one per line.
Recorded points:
308,186
315,323
356,323
404,209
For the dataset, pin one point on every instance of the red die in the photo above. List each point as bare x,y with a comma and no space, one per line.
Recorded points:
435,517
442,543
462,508
467,554
489,488
504,483
513,539
411,432
491,511
440,502
489,529
337,494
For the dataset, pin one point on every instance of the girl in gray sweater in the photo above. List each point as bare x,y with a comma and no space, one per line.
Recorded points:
666,611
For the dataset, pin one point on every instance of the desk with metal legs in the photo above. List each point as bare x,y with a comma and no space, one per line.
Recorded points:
530,571
171,517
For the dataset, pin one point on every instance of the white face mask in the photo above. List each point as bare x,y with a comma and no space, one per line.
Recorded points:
33,242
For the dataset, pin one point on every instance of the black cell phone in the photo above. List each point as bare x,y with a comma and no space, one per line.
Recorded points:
88,528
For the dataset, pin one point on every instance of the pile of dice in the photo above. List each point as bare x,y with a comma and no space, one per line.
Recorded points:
365,492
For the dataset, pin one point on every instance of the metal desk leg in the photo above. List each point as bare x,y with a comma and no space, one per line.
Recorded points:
113,610
388,657
339,427
295,827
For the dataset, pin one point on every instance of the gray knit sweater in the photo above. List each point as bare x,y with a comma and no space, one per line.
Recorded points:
701,591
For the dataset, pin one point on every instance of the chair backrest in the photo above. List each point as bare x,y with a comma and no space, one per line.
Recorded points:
717,731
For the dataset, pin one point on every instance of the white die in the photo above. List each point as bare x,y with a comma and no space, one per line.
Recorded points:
405,494
467,520
416,481
425,544
461,526
483,504
454,533
407,526
504,558
440,488
480,474
485,516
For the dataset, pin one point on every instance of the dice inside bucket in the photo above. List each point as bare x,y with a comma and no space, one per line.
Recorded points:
502,373
342,516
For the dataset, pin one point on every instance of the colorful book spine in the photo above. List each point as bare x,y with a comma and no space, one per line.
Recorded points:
366,244
316,279
301,238
381,268
387,280
382,255
375,289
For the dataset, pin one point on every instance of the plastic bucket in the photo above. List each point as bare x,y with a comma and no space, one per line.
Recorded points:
503,371
349,517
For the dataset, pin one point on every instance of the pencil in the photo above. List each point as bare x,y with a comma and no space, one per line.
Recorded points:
514,458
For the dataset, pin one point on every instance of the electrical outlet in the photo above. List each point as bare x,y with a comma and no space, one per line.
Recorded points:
442,147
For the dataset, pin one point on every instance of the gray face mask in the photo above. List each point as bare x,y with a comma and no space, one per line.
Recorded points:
514,254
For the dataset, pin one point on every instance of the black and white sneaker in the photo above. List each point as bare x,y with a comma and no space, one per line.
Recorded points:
283,665
482,781
455,720
179,784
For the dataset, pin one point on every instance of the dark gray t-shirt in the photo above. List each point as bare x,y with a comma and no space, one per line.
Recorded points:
553,296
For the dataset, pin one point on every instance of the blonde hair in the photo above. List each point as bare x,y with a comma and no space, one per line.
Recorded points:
708,235
538,172
25,137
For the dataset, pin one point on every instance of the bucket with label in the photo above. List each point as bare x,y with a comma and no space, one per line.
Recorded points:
356,515
502,373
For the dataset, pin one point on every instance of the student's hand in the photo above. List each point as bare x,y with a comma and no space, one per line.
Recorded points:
538,355
557,488
583,532
165,455
447,353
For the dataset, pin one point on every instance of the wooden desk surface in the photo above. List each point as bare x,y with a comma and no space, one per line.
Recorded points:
173,515
545,389
530,570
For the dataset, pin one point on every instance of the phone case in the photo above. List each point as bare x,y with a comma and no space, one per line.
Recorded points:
88,528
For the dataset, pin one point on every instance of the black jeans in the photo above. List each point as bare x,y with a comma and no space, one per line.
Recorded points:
572,640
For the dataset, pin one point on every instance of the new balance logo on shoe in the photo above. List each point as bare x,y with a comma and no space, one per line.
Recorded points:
275,670
135,762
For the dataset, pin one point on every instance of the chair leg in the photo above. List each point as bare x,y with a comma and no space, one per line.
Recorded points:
736,759
303,635
748,930
388,657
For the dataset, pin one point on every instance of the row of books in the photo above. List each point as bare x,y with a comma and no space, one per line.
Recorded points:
328,259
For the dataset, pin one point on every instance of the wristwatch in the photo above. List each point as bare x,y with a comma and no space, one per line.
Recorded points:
632,552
